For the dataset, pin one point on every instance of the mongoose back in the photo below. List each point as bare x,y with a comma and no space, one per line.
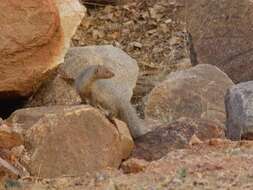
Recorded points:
108,97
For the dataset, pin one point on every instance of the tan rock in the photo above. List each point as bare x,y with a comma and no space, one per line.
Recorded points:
34,38
55,92
127,143
195,140
71,13
196,93
176,135
222,35
72,140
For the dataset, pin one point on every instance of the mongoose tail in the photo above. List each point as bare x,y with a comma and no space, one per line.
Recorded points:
128,114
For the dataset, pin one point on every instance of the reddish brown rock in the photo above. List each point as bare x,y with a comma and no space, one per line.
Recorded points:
177,135
196,93
33,41
134,165
9,138
72,140
221,34
28,37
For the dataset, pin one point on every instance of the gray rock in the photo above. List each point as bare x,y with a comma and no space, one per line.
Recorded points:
60,90
122,65
239,108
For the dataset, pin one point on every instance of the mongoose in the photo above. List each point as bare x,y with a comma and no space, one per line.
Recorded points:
88,86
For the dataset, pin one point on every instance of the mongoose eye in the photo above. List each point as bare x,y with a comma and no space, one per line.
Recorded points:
97,70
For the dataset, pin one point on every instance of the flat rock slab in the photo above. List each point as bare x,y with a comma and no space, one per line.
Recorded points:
222,35
239,108
195,93
70,140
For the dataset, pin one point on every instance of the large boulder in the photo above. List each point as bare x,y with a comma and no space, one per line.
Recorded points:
239,108
221,33
195,93
70,140
176,135
60,90
35,35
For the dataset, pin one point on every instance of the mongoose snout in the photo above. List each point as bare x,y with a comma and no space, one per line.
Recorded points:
102,72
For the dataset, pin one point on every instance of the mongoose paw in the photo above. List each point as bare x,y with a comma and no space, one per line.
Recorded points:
107,113
140,132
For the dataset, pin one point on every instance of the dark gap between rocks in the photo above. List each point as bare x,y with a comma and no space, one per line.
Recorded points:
7,107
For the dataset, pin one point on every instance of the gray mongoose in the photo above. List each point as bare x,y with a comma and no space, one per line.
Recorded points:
88,87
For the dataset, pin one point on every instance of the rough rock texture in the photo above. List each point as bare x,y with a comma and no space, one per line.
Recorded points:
134,165
9,137
70,140
71,14
223,165
126,141
195,93
176,135
222,35
34,38
56,91
239,108
60,90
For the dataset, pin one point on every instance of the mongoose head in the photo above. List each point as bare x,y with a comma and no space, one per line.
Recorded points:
102,72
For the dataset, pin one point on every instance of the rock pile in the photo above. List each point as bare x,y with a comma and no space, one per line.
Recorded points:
76,146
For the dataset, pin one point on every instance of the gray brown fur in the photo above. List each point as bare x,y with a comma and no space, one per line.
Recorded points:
85,80
109,97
